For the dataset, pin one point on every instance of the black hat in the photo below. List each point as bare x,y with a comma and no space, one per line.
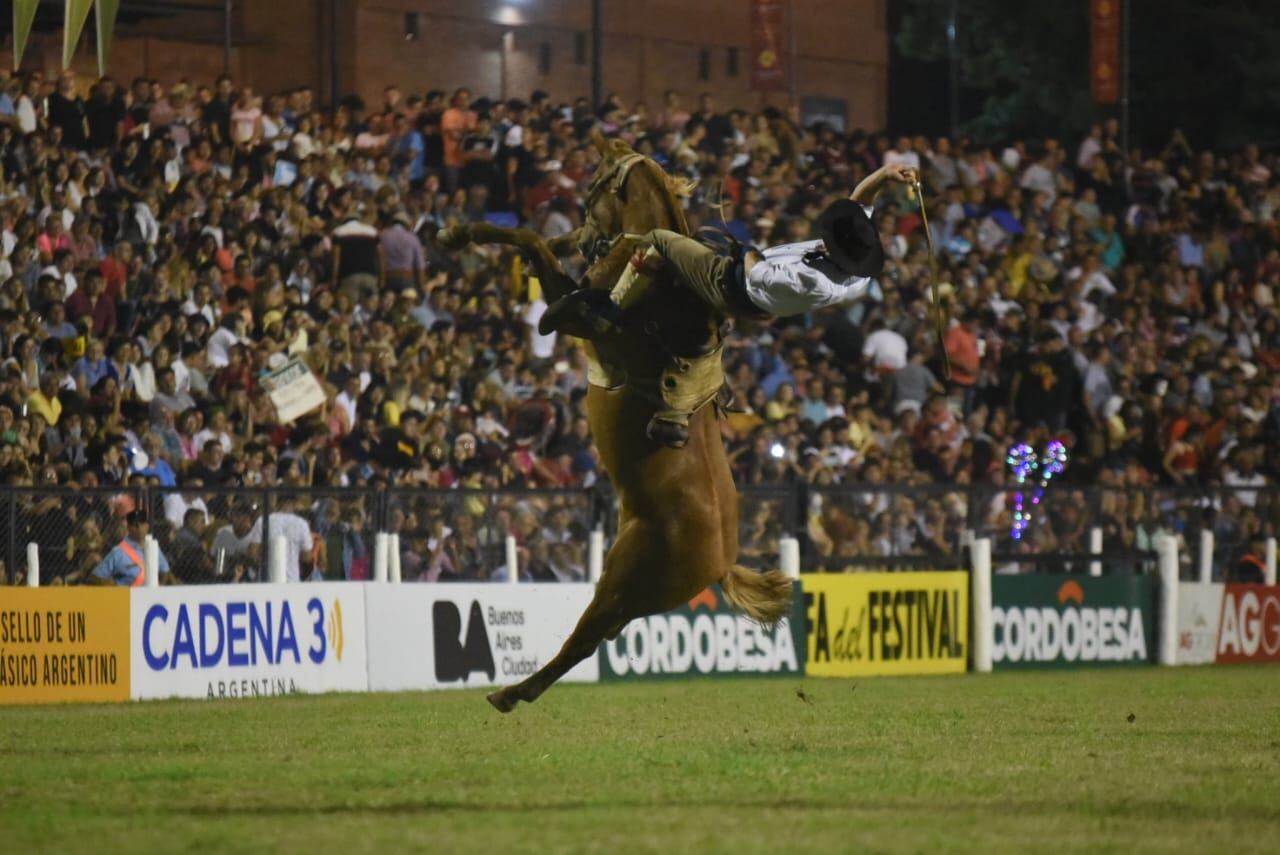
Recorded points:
851,238
135,517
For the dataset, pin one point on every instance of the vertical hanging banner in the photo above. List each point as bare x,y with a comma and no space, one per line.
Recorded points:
77,14
104,15
768,73
24,14
1104,59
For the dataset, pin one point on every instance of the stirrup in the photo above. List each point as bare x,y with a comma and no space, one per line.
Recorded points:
584,313
668,433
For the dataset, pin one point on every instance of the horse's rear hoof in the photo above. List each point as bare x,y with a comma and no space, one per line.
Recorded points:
503,701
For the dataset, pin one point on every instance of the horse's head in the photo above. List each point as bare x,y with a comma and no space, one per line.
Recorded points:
630,194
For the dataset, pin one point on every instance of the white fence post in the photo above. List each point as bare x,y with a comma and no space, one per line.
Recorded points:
1269,568
151,561
1095,548
1167,552
513,561
393,558
595,555
789,556
33,565
380,557
276,559
1206,556
980,554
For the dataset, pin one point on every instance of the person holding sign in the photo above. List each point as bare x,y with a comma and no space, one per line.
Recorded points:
124,564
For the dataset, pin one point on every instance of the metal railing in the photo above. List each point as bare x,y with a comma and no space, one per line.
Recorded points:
214,534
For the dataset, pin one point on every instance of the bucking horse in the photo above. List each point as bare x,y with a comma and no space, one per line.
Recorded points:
678,530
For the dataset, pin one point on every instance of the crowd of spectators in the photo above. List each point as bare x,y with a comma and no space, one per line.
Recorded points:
164,248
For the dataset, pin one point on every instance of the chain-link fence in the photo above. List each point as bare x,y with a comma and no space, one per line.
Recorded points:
215,535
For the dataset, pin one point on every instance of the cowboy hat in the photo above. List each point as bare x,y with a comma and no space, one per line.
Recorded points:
851,238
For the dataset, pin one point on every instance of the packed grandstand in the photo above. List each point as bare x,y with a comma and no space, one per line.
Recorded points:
164,248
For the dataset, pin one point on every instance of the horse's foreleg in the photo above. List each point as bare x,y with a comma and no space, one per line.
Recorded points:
555,282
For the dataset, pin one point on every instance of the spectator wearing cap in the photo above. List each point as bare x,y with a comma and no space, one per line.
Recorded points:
125,564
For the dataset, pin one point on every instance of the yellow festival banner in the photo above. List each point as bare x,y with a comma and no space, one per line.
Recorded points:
865,624
64,644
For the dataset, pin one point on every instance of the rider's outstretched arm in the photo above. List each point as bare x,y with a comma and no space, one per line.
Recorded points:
867,190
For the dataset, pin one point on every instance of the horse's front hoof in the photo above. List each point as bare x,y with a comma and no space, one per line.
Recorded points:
453,238
504,700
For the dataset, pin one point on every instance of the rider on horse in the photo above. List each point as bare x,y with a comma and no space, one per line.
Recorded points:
792,279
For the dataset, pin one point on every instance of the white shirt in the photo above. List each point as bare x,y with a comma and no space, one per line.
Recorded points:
348,404
543,346
296,533
784,283
219,343
886,349
176,507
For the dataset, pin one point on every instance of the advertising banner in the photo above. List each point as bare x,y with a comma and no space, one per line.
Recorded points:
865,624
1199,609
1071,621
64,644
705,637
768,34
245,641
463,636
1249,629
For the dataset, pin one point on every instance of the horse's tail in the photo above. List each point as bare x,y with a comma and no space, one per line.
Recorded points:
764,597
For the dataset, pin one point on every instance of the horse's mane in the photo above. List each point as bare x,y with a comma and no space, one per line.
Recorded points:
674,188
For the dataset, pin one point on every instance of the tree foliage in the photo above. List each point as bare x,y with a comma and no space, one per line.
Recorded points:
1210,67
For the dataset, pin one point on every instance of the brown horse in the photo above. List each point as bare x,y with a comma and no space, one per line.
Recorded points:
678,530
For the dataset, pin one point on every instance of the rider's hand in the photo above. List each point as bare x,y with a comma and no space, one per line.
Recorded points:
899,172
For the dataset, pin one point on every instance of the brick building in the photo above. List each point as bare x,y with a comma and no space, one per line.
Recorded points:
501,48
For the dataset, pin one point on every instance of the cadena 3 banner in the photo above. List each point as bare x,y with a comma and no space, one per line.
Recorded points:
241,641
1228,623
445,635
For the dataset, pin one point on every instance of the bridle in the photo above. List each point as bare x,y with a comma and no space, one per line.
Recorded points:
594,243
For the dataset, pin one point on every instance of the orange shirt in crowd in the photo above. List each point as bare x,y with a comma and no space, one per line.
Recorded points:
453,124
962,348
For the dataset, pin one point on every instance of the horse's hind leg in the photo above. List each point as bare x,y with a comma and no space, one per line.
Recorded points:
602,618
628,589
554,280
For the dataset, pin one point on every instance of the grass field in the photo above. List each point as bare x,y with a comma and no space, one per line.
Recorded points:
1048,761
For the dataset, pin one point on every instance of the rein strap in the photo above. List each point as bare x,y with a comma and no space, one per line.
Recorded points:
939,319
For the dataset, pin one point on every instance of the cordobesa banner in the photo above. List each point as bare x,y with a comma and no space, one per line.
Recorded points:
1040,621
865,624
705,637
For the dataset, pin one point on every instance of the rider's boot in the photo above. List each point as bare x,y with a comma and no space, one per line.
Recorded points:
585,313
